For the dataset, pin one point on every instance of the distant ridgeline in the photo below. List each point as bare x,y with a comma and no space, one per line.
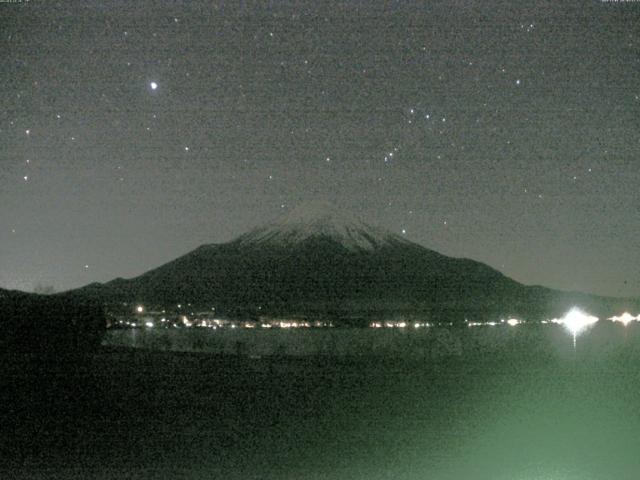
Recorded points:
49,324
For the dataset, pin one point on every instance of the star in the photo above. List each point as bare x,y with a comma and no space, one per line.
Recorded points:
153,85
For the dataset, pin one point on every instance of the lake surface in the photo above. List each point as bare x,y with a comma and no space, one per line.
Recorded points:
506,403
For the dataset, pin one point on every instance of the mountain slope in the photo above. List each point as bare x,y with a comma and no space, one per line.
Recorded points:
319,261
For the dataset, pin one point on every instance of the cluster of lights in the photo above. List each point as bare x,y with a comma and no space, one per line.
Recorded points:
216,323
400,324
287,324
575,321
482,324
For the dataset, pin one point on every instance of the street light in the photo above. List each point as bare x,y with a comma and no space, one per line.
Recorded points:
577,321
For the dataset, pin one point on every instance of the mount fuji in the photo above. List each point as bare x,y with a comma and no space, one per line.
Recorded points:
319,261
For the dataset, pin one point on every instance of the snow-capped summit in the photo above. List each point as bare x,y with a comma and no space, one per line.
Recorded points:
320,219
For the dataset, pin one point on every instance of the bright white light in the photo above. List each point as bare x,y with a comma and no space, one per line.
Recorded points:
624,319
139,309
153,85
513,322
149,324
576,321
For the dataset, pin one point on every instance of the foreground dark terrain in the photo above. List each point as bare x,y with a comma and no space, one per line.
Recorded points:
534,409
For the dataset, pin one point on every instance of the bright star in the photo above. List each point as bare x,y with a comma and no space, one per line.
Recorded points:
153,85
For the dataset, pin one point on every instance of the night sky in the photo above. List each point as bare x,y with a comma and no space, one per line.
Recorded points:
507,132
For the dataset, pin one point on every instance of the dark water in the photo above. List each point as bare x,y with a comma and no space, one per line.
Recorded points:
533,409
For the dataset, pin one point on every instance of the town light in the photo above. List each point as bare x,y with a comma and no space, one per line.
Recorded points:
624,319
576,321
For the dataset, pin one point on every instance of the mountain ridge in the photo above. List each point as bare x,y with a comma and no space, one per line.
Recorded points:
322,262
